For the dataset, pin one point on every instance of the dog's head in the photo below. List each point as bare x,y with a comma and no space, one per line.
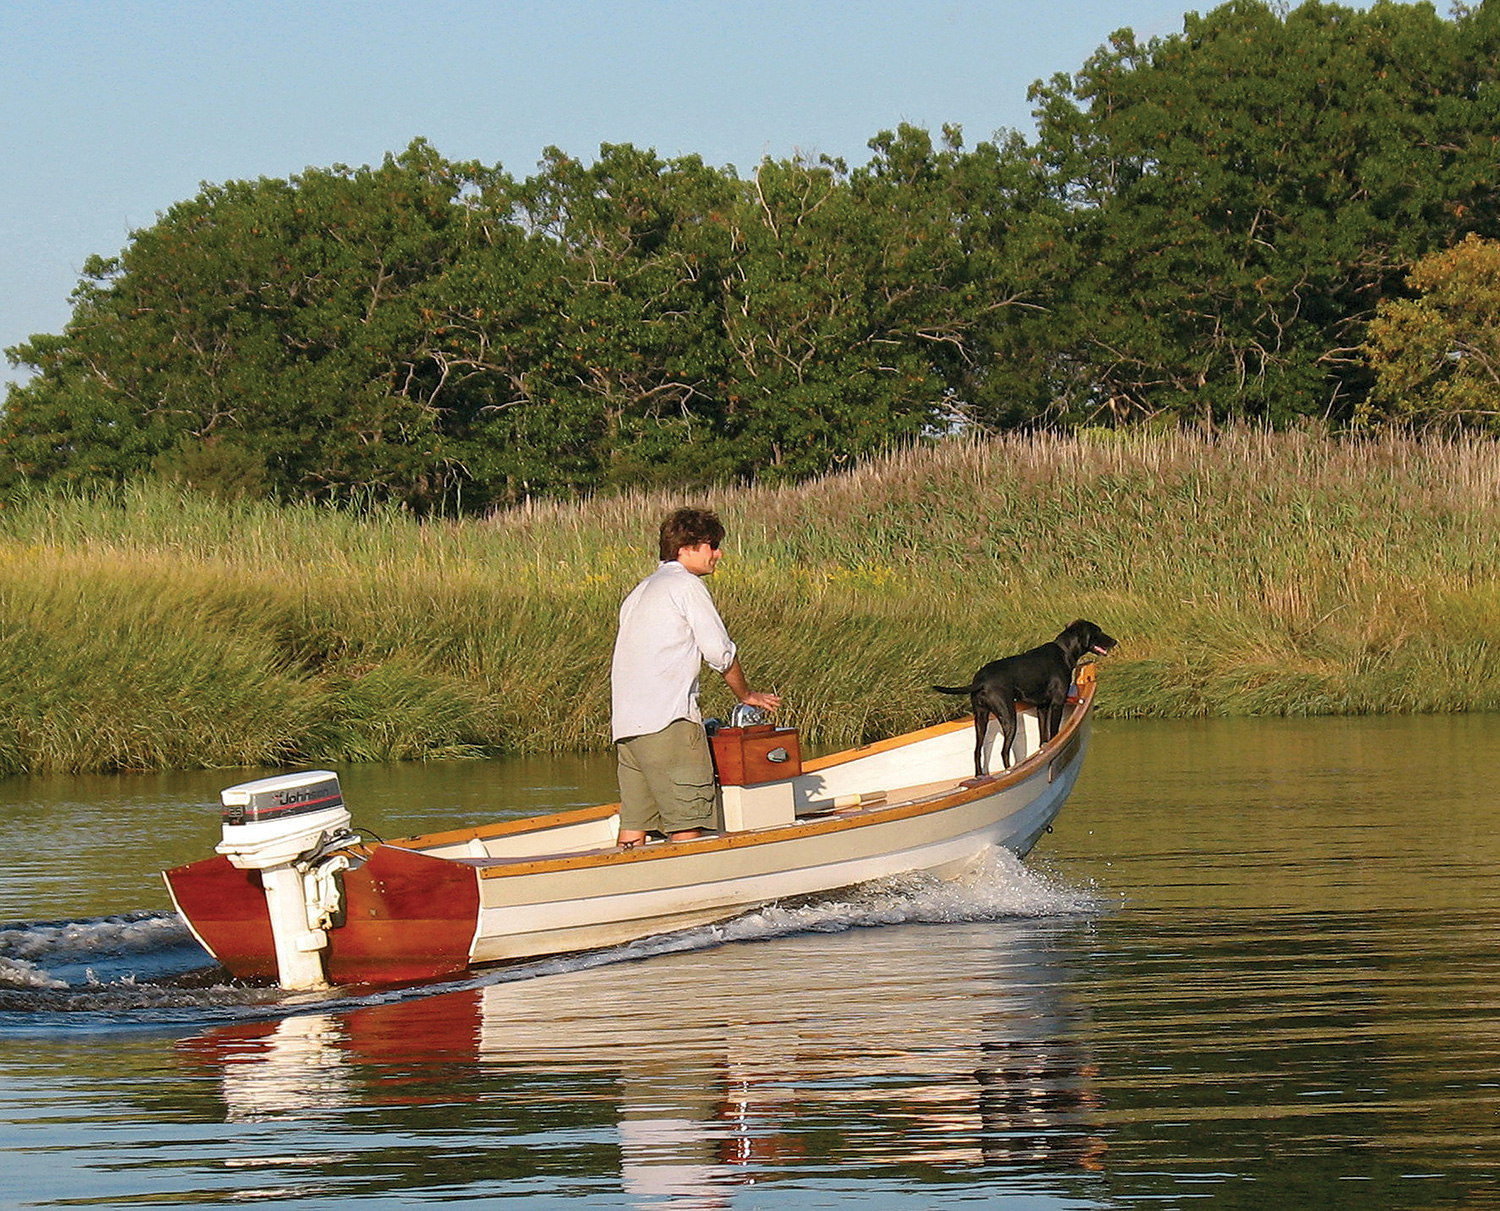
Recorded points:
1081,636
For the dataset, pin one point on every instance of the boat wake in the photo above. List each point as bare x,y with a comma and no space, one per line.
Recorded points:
146,969
106,967
998,888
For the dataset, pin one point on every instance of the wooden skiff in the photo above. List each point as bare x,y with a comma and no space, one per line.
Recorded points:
295,897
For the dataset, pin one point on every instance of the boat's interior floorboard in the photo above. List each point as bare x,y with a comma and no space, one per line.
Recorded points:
900,796
874,801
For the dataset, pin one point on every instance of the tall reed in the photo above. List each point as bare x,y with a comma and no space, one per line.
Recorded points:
1245,573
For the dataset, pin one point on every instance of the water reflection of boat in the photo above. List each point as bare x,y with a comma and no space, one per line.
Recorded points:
296,897
954,1048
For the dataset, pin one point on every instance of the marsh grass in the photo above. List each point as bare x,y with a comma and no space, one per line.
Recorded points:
1248,573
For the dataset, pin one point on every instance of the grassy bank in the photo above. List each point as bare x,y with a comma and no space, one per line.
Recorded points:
1254,574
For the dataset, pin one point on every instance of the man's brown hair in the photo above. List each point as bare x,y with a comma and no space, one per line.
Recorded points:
688,528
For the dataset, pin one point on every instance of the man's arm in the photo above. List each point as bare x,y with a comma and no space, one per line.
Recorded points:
734,678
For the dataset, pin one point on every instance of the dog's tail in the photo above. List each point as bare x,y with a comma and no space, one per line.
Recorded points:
954,689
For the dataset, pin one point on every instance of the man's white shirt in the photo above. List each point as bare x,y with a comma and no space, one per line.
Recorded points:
669,628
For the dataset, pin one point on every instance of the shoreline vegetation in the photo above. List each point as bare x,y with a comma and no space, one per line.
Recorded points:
1245,573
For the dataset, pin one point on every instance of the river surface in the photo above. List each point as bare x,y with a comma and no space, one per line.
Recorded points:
1256,965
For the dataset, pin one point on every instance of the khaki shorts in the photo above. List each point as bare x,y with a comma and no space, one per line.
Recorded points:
667,780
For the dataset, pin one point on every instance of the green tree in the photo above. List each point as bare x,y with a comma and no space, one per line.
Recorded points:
582,334
804,386
281,315
847,310
1014,262
1246,192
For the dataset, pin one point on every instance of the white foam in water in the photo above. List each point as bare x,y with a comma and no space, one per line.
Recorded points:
998,887
101,965
17,973
108,935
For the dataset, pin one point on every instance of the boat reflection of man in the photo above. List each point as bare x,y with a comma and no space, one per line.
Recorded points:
668,628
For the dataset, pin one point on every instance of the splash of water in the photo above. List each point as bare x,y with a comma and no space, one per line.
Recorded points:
105,967
137,933
998,887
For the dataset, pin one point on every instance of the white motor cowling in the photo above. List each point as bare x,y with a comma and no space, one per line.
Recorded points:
277,820
281,827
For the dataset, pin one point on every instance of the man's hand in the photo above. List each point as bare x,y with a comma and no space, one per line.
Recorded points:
766,702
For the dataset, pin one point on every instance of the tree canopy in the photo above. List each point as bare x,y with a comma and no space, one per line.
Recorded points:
1204,228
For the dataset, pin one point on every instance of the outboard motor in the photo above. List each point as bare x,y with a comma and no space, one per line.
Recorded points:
285,827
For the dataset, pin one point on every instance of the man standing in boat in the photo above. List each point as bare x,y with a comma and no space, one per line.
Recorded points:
668,628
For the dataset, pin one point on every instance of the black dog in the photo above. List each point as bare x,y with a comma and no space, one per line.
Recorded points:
1039,678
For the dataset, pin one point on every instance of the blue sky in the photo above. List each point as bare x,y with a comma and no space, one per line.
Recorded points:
115,109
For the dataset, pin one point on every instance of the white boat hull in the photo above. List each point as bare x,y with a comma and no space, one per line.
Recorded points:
543,913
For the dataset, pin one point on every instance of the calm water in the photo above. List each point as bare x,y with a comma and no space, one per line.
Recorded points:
1255,965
